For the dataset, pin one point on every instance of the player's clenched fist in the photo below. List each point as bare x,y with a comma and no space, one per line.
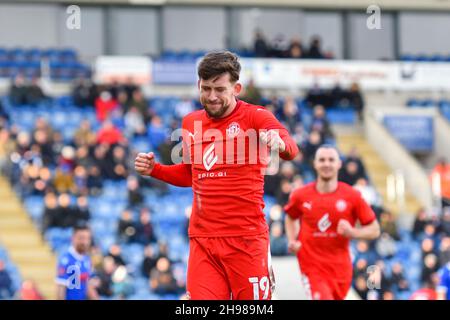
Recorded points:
144,163
345,229
273,140
294,246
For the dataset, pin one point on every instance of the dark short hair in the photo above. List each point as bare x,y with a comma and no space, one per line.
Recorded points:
81,226
216,63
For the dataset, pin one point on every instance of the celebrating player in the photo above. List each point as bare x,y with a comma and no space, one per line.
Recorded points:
229,241
320,222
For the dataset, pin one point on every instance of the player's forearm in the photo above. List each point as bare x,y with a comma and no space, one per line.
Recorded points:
179,175
291,148
60,292
292,227
369,232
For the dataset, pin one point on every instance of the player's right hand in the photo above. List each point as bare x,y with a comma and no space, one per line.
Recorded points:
294,246
144,163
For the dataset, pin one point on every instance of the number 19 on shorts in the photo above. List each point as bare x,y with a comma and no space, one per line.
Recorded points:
260,284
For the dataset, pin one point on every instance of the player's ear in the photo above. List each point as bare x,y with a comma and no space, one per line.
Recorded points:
339,164
237,88
198,83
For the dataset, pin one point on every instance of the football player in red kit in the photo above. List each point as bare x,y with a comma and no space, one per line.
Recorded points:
320,223
229,243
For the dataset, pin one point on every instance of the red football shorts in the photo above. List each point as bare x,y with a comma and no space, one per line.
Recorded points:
225,268
319,287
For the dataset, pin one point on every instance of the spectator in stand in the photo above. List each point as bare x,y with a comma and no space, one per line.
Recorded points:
126,227
109,134
290,116
311,146
356,99
445,222
104,105
398,279
6,285
129,87
321,123
149,262
385,246
278,242
388,225
296,50
135,196
354,156
82,213
442,172
50,212
162,279
65,214
116,253
156,132
63,180
120,163
34,94
104,288
430,266
29,291
83,158
134,123
145,233
420,222
368,192
279,46
83,93
138,101
315,49
252,94
429,291
18,91
122,283
443,282
444,251
95,182
84,136
42,139
80,180
260,47
283,192
349,173
184,107
316,95
337,95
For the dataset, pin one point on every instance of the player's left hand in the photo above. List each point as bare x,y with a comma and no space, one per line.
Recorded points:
345,229
273,140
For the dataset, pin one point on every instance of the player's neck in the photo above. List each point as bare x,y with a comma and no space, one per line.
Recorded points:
329,186
231,108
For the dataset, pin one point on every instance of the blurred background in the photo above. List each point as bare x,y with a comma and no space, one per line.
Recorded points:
85,86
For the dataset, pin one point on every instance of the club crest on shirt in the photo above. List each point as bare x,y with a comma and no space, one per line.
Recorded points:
233,130
341,205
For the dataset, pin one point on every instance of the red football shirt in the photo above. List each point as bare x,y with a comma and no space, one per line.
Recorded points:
323,251
222,163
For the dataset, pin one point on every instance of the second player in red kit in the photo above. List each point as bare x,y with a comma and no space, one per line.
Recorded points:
229,243
321,220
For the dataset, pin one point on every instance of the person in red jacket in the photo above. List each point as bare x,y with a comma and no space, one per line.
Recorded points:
320,223
109,134
225,153
104,105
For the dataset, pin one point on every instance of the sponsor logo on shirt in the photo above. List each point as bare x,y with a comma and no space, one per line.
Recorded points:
324,223
209,157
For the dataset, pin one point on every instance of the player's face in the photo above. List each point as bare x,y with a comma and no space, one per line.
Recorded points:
82,241
327,164
218,94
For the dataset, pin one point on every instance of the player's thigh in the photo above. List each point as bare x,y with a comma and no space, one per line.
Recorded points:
206,279
317,287
341,290
248,267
